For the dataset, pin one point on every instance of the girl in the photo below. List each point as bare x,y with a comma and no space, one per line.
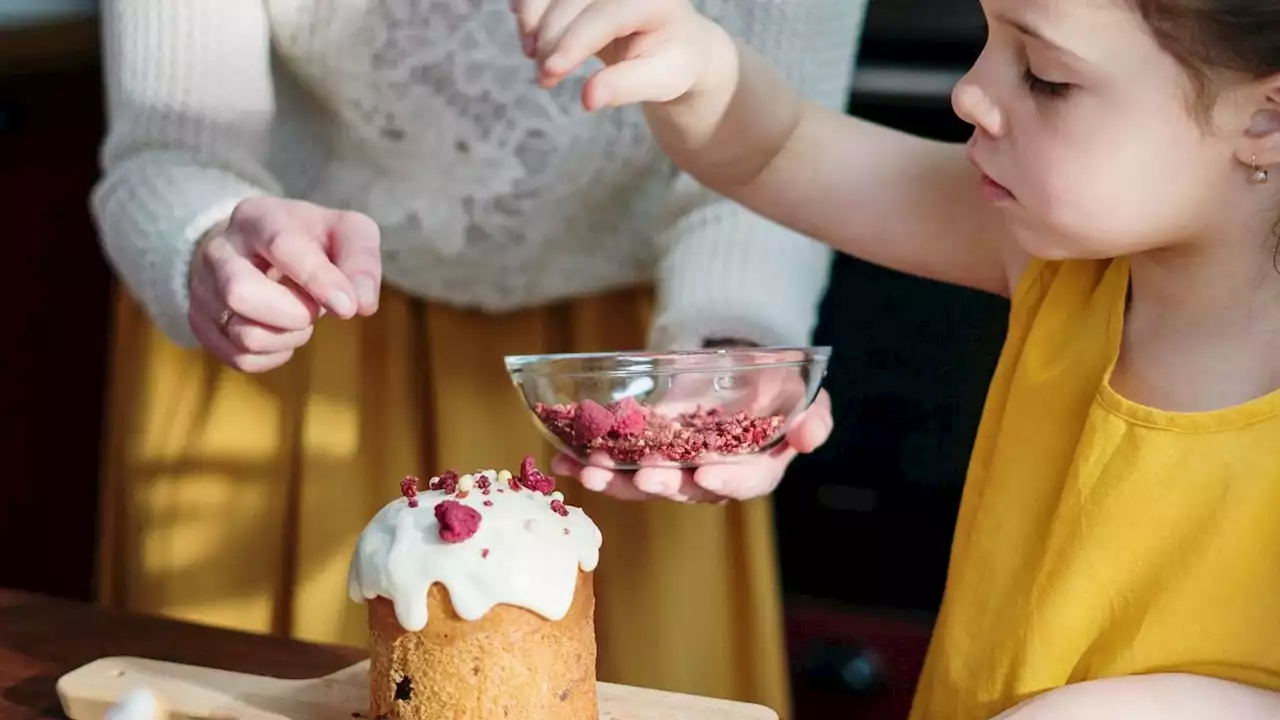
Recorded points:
270,158
1118,551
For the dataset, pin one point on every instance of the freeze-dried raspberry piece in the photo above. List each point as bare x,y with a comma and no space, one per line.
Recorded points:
457,521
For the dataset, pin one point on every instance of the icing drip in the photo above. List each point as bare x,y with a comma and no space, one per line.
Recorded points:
524,553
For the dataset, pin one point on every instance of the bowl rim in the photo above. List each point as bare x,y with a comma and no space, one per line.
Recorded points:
527,363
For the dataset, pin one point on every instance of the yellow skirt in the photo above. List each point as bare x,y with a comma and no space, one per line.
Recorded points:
235,500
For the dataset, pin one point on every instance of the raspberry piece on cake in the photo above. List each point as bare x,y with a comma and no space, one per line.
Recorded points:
457,521
532,478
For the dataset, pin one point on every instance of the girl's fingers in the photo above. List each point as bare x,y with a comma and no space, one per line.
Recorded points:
649,78
557,19
592,30
529,15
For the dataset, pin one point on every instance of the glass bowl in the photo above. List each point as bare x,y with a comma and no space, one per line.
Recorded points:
674,409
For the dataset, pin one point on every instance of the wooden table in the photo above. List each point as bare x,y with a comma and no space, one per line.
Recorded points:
42,638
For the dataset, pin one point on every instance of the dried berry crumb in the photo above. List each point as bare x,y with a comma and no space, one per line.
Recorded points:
532,478
482,482
409,489
484,553
447,483
566,531
488,503
558,507
457,521
639,433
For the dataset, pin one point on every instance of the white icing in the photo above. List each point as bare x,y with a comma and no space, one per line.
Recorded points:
136,704
532,562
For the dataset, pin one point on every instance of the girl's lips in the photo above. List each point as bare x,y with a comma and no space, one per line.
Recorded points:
994,191
991,190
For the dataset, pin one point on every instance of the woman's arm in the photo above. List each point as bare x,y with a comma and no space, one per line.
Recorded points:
190,104
726,272
1151,697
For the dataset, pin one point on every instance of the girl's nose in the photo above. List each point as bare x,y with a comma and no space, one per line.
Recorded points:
976,107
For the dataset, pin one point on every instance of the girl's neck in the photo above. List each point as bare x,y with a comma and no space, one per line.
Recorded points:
1202,326
1215,279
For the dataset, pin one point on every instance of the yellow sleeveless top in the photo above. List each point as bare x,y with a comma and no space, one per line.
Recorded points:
1098,537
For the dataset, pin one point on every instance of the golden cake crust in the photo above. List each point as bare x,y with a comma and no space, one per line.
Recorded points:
509,664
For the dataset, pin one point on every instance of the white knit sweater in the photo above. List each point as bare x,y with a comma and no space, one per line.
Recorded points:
491,192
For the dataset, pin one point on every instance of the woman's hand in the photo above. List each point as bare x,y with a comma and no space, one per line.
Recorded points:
739,480
260,280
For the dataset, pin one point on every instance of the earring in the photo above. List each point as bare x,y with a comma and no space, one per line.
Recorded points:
1260,174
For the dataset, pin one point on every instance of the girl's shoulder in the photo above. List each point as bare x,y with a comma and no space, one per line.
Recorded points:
1067,282
1068,301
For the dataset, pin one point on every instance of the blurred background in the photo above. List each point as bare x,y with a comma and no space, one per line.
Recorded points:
864,525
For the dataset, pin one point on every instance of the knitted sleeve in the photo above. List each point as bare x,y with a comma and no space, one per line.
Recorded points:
724,271
190,104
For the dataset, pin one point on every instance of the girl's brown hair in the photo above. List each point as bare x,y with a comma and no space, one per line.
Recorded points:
1208,36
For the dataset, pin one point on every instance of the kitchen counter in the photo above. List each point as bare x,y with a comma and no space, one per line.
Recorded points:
42,638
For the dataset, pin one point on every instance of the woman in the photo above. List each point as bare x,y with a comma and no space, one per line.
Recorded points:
404,138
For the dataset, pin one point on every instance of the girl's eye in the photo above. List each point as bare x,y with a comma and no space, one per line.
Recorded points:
1040,86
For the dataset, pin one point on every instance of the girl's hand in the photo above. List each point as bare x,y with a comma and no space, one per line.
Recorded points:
260,280
742,480
655,50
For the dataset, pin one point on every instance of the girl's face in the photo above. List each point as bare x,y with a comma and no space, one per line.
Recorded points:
1086,132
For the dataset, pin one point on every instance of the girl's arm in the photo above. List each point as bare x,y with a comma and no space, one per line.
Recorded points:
881,195
724,271
1167,696
190,106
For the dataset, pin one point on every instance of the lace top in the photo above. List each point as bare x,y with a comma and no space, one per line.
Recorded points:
491,191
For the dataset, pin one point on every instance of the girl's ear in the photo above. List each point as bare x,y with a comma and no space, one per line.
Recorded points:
1261,142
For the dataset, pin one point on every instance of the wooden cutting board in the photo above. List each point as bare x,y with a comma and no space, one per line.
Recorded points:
189,692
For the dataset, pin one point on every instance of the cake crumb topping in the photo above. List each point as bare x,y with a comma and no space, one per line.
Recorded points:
409,489
457,521
532,478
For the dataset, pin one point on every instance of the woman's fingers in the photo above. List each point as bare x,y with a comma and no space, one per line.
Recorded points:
813,428
304,260
241,287
355,242
252,337
644,484
210,335
293,237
